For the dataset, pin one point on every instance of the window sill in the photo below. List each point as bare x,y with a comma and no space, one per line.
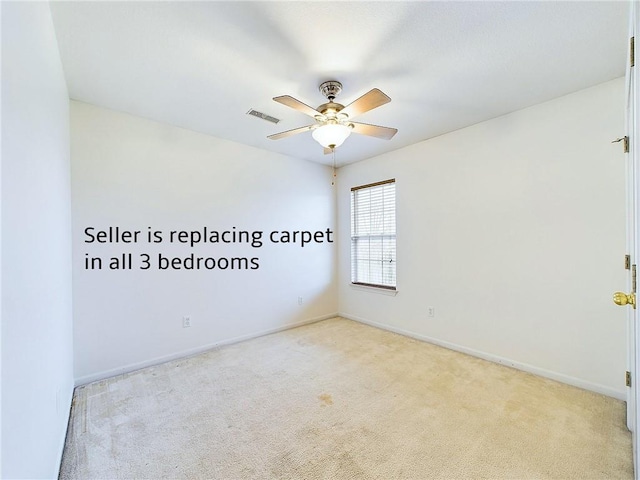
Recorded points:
372,289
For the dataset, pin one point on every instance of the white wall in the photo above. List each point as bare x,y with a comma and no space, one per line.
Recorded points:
514,230
37,357
134,173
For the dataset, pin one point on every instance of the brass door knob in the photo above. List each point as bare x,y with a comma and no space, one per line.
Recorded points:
620,298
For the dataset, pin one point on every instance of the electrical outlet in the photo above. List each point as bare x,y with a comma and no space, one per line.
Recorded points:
186,322
431,311
299,300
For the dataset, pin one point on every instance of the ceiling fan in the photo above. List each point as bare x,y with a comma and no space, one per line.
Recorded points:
333,120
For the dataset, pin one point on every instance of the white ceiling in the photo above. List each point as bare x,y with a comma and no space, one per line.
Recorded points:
446,65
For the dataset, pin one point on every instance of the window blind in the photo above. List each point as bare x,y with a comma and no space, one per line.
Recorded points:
373,234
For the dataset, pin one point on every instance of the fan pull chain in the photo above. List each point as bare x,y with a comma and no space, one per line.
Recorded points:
333,154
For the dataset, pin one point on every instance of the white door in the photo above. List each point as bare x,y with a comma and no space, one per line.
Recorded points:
633,236
633,99
631,231
633,228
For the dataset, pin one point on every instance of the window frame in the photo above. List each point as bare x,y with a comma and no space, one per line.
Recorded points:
354,238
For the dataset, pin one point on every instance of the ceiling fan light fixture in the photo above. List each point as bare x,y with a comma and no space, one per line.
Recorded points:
331,135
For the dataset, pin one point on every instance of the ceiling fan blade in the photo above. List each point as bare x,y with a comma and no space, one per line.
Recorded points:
288,133
385,133
289,101
370,100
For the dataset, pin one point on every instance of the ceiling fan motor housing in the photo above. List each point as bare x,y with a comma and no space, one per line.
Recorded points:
330,109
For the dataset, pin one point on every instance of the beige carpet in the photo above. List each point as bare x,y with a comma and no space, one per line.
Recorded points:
341,400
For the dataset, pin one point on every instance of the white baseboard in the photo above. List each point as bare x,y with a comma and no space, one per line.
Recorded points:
193,351
560,377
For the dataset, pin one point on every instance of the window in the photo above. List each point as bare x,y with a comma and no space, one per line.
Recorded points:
373,234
